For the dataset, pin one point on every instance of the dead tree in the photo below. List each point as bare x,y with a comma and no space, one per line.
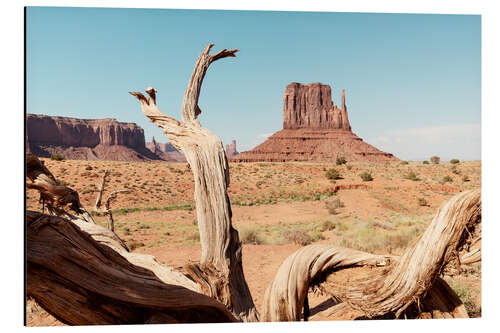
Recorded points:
83,274
107,205
220,272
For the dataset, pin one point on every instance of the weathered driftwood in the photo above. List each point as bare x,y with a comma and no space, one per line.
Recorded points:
393,284
83,282
58,198
220,271
73,265
107,205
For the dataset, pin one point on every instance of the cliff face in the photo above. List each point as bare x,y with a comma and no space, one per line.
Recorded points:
93,139
311,106
83,132
314,129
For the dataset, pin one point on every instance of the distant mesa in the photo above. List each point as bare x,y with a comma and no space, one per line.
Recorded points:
231,149
314,129
86,139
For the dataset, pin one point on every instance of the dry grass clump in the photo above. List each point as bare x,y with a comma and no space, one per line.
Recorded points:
333,204
252,235
133,244
340,160
366,176
332,174
422,202
467,295
299,237
411,176
447,179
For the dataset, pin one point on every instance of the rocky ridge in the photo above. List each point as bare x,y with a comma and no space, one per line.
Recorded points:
86,139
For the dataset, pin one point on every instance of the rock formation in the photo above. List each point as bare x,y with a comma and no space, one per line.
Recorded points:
86,139
165,151
314,129
231,149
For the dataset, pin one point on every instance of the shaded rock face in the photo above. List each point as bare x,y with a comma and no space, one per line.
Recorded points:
92,139
311,106
166,151
314,129
231,149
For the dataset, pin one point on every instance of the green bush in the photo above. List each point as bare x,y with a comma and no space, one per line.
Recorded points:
447,179
454,161
422,202
332,174
425,162
366,176
411,176
435,159
57,157
340,160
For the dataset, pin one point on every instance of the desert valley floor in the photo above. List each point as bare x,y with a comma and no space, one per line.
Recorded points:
277,208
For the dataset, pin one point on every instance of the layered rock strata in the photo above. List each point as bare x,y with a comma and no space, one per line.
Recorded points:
86,139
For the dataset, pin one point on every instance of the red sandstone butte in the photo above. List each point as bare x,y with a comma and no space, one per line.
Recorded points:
86,139
231,149
314,129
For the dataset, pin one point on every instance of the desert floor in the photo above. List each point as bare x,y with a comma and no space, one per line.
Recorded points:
277,208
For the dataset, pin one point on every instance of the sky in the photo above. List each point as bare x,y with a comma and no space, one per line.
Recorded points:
412,81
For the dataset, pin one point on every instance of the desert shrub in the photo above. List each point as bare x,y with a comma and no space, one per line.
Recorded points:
132,244
447,179
467,296
333,204
299,237
366,176
251,236
425,162
194,236
404,162
411,176
465,178
422,202
88,168
327,226
455,170
332,174
348,166
57,157
340,160
454,161
435,159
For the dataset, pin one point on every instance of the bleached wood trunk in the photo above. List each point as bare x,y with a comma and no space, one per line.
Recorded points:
220,272
392,284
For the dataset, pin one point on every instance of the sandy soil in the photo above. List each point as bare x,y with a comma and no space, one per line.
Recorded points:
269,199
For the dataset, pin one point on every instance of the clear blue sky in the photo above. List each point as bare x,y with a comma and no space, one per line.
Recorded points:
413,82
